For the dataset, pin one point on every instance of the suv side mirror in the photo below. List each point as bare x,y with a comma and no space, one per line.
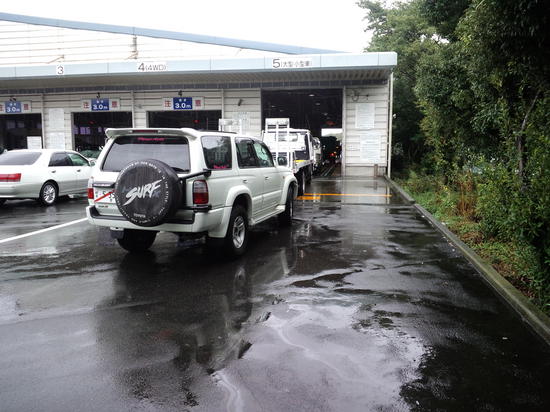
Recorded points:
281,161
91,162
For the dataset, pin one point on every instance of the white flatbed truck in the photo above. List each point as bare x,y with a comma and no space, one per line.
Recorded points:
292,148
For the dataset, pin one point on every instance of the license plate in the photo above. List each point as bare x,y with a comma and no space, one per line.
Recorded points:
104,196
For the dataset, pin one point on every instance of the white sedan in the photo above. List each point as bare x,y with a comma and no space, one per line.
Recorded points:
42,174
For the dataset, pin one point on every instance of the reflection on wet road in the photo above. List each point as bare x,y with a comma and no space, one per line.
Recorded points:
361,305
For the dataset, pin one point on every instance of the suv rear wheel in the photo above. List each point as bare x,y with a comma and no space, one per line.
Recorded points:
137,240
285,218
236,238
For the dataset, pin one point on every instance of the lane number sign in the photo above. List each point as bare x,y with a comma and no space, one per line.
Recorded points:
152,67
292,63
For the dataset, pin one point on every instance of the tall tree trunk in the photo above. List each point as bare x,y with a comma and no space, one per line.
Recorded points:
520,144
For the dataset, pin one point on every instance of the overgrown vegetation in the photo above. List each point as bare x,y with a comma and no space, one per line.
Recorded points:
472,133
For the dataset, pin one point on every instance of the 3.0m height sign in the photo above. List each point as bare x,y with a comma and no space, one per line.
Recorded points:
183,103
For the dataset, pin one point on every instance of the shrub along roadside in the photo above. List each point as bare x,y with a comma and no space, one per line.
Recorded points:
459,205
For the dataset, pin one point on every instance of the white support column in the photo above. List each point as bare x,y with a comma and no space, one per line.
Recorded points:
343,143
43,120
222,91
390,124
133,108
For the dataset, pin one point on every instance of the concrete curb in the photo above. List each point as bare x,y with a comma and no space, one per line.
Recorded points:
528,312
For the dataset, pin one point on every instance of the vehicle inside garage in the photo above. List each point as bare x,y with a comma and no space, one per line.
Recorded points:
196,119
16,128
89,129
312,109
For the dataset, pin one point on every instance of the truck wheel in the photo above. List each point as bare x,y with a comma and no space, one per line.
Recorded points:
236,238
309,173
135,241
285,218
301,183
48,194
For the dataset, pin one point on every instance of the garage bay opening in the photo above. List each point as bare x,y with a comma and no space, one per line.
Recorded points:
195,119
20,131
89,130
312,109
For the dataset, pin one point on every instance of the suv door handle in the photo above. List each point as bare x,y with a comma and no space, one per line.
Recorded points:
267,177
78,170
245,180
52,171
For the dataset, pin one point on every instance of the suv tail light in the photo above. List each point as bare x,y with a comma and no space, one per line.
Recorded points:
91,188
10,177
200,192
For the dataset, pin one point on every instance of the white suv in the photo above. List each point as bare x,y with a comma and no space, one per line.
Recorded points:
187,182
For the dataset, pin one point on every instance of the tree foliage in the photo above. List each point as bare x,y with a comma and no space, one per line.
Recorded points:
473,94
402,30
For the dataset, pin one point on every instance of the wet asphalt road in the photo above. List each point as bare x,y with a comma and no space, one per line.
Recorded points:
360,306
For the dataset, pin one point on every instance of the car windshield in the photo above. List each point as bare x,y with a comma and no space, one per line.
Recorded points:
172,150
16,158
90,153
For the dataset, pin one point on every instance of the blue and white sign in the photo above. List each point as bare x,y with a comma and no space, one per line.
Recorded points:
15,107
100,105
183,103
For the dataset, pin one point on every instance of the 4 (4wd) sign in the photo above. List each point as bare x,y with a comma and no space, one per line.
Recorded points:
152,67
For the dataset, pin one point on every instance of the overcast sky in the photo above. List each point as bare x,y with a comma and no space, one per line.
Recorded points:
328,24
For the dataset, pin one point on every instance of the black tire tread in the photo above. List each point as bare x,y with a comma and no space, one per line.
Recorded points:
135,241
41,196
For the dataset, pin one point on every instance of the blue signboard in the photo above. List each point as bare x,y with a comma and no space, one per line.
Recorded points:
182,103
100,105
13,107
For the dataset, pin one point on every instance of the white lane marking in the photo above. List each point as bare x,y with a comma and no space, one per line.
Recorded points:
37,232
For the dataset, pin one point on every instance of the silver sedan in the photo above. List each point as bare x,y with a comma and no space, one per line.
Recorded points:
42,174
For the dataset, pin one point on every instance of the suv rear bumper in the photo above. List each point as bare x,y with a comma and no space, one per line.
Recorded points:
202,220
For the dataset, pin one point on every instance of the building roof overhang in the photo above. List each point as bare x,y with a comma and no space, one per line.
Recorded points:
336,69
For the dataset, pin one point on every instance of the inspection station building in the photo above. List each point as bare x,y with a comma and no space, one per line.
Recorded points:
62,83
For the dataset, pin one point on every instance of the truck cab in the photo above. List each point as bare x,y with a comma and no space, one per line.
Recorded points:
292,148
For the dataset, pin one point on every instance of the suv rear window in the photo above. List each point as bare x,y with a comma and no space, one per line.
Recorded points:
172,150
217,152
19,158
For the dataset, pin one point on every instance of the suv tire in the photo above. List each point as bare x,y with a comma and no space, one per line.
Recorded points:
236,239
285,218
135,241
48,194
147,192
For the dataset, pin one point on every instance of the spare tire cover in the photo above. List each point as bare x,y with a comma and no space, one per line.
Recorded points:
147,192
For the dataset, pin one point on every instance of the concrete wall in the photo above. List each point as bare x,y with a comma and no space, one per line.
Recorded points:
365,141
57,109
365,118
